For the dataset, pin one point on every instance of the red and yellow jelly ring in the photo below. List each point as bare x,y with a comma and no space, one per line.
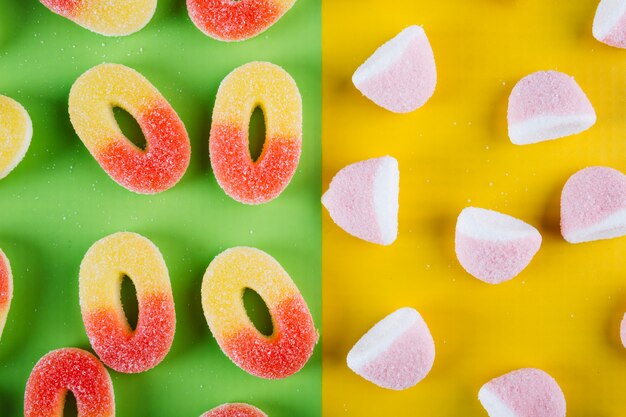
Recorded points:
271,88
72,370
6,289
234,410
290,346
106,17
102,271
166,158
228,20
16,131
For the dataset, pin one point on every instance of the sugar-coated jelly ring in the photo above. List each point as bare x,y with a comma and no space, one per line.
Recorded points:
6,289
272,88
16,131
291,344
92,99
102,271
106,17
229,20
234,410
72,370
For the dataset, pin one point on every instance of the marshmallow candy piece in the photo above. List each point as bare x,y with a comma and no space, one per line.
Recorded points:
401,75
548,105
492,246
593,205
523,393
609,25
397,353
362,199
623,331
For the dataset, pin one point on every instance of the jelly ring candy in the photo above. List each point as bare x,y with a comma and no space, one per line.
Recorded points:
106,17
102,271
72,370
228,20
291,344
16,131
168,151
234,410
272,88
6,289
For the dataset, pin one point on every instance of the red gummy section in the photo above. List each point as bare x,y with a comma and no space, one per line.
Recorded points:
234,410
5,286
248,181
282,354
164,161
128,351
74,370
67,8
233,20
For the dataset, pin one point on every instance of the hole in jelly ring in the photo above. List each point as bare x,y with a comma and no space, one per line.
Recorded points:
229,20
168,151
102,271
264,85
234,410
106,17
16,131
69,369
291,344
6,289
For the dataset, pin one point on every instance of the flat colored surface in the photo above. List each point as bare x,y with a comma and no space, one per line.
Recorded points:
561,314
58,202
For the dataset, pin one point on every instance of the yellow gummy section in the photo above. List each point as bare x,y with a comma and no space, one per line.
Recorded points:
106,263
265,85
6,305
562,313
115,17
94,95
16,131
225,280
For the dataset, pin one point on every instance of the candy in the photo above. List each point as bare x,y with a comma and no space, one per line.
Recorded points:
16,131
168,151
623,331
397,353
593,205
362,199
102,271
270,87
492,246
234,410
548,105
106,17
523,393
228,20
401,75
609,25
6,289
290,346
69,369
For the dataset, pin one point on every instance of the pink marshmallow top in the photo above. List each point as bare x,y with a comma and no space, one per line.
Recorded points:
590,196
617,37
547,93
623,331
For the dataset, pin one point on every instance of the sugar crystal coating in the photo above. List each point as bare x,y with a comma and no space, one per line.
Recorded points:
291,344
72,370
101,273
16,131
228,20
272,88
623,331
106,17
234,410
166,157
6,289
609,24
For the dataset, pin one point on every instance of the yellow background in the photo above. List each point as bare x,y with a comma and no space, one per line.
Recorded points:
562,313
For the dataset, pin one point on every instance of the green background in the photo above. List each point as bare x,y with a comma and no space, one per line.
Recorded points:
59,201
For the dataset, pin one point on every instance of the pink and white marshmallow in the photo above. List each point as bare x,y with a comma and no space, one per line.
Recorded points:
401,75
593,205
609,25
397,353
523,393
623,331
548,105
492,246
362,199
